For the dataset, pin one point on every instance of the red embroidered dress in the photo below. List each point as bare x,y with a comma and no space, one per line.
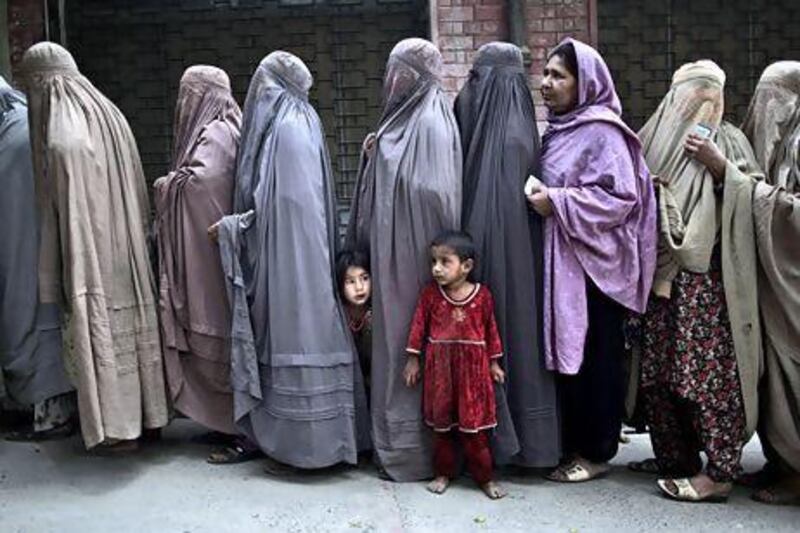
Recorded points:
459,339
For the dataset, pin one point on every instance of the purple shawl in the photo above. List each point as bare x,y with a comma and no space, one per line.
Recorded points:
604,221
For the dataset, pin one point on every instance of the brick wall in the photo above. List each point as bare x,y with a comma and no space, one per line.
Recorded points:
548,22
464,25
135,52
644,42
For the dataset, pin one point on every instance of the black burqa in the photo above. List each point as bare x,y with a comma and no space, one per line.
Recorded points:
408,191
500,141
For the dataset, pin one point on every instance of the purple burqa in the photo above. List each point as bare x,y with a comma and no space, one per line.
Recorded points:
197,191
604,212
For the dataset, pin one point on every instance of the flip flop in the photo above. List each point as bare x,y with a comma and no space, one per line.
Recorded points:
687,492
576,473
233,454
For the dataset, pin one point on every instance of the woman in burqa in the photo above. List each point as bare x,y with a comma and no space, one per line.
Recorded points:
701,341
773,127
408,191
500,140
599,256
31,369
295,376
94,260
197,191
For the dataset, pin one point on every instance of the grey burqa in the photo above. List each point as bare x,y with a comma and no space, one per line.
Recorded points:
295,376
501,145
408,191
31,366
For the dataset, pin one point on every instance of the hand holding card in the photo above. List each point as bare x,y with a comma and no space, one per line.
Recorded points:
532,185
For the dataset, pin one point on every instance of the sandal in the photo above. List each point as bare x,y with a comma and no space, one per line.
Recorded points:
121,447
232,454
648,466
277,469
30,435
687,492
575,472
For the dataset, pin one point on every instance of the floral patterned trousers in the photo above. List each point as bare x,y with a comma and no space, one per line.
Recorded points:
690,385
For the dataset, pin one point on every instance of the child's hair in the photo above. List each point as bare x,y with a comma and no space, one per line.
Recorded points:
349,258
458,241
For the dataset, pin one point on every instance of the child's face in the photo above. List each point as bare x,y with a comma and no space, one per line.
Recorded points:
357,286
447,268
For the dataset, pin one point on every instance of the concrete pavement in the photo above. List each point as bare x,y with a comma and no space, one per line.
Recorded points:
168,487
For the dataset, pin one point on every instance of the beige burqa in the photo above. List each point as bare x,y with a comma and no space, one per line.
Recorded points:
197,192
694,216
93,203
773,126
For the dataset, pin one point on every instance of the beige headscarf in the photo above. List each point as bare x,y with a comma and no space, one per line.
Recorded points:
688,207
773,126
93,203
693,217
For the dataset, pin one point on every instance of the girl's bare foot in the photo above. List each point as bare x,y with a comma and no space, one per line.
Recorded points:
493,490
786,492
439,484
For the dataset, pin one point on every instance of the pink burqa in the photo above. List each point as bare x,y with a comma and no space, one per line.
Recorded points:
604,213
197,192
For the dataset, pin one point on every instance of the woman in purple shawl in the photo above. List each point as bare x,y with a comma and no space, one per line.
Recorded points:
600,250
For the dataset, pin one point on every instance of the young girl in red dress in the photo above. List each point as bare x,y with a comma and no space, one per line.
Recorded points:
455,329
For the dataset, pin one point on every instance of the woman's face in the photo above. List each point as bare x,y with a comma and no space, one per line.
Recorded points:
559,87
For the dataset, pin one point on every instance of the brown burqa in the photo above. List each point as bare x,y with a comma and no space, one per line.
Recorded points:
197,192
773,127
93,203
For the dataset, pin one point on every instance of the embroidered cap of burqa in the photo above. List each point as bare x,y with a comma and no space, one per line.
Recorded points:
408,191
293,364
31,367
496,117
94,208
197,192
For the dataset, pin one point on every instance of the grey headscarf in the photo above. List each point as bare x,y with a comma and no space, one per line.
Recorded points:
30,337
295,376
408,191
501,148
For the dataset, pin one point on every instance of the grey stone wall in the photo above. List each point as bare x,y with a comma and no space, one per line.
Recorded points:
644,42
136,51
